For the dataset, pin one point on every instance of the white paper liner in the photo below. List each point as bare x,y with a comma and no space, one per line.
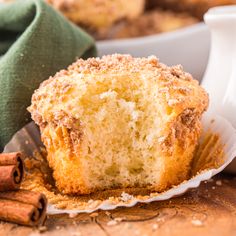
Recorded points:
28,140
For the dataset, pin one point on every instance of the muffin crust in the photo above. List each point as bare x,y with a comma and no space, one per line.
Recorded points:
119,121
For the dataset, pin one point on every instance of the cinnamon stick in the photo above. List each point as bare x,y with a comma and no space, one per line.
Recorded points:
11,171
23,207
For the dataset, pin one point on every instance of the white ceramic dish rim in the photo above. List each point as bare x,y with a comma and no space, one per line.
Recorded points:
150,38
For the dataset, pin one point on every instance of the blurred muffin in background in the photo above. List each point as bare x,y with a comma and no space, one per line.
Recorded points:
111,19
152,22
98,14
195,7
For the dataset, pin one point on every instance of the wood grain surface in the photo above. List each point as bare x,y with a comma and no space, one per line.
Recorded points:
207,210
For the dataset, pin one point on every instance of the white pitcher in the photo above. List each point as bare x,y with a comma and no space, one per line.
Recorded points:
220,76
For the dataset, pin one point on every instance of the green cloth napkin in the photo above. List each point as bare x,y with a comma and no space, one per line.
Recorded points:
35,42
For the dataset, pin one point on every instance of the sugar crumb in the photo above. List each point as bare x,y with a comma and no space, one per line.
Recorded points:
210,180
197,223
111,223
42,229
126,197
73,215
94,214
107,213
119,219
90,201
155,226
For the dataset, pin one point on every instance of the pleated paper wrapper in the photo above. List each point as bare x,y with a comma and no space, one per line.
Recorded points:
218,136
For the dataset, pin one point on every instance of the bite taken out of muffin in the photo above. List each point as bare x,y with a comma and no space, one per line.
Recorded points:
119,122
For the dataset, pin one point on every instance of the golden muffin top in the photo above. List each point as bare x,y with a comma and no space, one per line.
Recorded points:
99,13
88,86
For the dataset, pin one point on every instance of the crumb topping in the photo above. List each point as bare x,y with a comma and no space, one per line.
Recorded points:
174,85
124,63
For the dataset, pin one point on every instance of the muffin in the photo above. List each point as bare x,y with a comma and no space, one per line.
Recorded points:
152,22
119,122
98,14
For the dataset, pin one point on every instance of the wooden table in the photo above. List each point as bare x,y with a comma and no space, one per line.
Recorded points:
207,210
